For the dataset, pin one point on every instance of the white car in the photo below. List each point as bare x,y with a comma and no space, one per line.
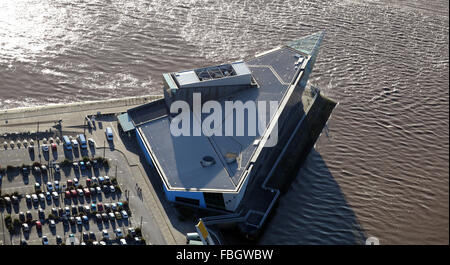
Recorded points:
75,143
109,133
105,234
34,197
42,197
52,223
78,219
55,195
123,241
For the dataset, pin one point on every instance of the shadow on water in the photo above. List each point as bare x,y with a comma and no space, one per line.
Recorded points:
313,210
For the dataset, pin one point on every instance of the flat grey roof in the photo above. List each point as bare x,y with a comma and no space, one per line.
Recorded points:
179,157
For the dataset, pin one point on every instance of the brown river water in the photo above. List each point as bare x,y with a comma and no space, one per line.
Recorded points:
382,168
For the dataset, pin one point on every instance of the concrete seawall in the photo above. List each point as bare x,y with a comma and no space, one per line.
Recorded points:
28,112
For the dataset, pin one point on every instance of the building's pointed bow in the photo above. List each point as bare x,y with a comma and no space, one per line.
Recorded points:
309,44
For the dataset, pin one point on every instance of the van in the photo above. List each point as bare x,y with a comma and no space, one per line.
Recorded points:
67,142
109,134
82,139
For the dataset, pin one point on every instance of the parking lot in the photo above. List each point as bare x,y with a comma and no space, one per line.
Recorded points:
65,196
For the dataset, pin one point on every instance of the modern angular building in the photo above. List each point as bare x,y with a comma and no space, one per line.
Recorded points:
214,171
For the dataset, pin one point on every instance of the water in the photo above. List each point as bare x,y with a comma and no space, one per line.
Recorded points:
382,171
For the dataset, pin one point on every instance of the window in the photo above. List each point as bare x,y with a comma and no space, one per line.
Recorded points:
187,200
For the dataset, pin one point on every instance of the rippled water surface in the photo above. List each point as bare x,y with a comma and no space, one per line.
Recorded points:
383,168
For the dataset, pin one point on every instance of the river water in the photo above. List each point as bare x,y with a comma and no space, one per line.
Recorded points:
382,169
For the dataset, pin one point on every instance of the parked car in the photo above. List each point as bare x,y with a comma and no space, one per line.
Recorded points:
41,197
57,168
131,231
78,219
91,142
55,195
69,183
37,186
109,133
75,181
112,189
41,213
48,196
85,219
73,193
44,168
57,185
38,225
25,227
80,192
45,148
100,207
98,216
111,216
87,192
104,217
118,232
98,190
58,239
22,217
75,143
29,216
44,240
105,234
123,241
34,197
124,214
49,186
52,223
118,215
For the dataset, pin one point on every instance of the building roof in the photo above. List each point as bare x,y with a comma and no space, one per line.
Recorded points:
126,122
179,158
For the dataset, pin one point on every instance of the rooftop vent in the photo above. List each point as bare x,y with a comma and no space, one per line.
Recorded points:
207,161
